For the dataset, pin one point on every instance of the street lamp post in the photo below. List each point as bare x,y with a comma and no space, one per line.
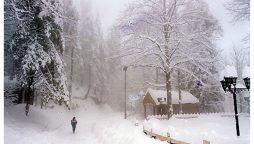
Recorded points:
229,84
125,69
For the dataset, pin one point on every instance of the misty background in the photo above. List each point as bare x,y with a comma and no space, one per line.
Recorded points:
94,60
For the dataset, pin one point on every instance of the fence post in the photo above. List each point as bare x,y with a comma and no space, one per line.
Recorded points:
206,142
168,137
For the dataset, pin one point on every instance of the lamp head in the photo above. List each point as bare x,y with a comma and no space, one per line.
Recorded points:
247,82
224,85
125,68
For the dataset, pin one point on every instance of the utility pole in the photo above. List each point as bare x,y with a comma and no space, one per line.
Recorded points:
125,69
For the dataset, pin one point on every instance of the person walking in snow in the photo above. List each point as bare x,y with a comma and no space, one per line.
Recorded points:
73,124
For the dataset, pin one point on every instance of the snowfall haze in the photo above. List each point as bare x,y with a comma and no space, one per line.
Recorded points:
130,71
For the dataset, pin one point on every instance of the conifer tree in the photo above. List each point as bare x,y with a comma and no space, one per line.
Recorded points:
37,46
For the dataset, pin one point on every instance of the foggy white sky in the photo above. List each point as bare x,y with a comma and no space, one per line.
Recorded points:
233,33
109,10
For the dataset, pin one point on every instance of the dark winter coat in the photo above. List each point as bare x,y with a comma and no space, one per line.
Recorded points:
74,123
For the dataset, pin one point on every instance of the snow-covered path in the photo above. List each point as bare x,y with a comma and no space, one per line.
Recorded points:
52,126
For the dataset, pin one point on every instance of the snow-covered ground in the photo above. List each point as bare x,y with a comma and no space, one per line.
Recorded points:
96,125
101,125
216,128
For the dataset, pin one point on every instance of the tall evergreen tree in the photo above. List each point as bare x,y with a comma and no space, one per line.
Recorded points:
37,46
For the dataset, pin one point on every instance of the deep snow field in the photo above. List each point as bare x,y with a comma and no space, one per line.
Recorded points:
101,125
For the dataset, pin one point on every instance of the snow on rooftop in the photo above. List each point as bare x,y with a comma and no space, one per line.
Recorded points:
186,96
241,86
246,72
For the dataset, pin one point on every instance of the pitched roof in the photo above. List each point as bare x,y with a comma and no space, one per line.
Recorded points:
186,96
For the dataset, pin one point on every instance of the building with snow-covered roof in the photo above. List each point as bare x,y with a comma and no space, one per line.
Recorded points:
155,102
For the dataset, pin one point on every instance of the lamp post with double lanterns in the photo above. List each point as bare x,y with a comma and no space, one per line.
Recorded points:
229,85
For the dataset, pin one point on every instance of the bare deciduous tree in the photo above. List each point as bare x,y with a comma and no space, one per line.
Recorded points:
239,9
172,34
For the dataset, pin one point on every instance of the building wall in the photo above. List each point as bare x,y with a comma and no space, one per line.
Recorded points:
187,108
161,110
148,100
152,108
149,109
149,105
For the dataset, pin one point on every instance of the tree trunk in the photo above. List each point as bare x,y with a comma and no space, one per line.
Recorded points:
169,98
145,110
23,94
157,77
202,100
89,81
35,99
71,77
41,103
30,89
166,33
87,93
179,92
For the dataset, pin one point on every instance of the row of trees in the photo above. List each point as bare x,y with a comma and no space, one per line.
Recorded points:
58,52
50,48
89,64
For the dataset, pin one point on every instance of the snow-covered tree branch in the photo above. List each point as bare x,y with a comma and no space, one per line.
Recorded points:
172,35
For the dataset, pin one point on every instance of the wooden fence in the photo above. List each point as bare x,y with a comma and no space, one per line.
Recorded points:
167,138
196,115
